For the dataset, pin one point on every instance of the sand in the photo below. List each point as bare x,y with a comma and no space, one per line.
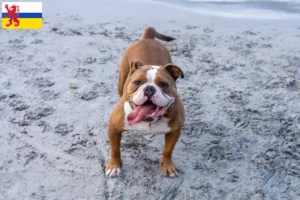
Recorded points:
241,139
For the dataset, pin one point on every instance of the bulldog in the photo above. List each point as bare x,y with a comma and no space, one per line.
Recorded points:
149,102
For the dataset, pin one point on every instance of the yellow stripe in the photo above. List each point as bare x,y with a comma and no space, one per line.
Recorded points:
25,23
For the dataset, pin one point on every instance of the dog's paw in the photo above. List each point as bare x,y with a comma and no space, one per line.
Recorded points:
168,169
113,169
114,172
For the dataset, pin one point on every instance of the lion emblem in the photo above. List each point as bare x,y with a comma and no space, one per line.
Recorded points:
12,13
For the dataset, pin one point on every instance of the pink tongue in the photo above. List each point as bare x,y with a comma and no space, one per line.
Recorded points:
139,113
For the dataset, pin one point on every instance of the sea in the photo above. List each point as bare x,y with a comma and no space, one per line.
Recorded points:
272,9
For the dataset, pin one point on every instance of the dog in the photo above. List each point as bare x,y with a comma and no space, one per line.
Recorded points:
149,102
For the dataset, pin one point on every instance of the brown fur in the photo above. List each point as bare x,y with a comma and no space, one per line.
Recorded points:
147,51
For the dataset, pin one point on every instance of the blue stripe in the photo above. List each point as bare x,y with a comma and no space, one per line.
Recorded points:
27,15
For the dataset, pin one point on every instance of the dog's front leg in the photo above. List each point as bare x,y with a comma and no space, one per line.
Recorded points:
167,165
113,168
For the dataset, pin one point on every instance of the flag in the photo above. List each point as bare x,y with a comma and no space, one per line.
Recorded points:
22,15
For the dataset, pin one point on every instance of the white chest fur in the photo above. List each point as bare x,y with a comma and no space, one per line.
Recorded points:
159,127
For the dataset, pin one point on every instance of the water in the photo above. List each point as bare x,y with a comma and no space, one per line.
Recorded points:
273,9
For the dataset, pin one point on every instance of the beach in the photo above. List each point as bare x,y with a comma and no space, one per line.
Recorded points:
58,86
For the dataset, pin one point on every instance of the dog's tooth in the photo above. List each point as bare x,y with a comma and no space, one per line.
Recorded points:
156,110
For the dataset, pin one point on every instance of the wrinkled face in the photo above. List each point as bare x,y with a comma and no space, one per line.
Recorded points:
151,91
152,83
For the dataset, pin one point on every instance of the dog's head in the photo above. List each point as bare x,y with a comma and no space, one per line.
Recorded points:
151,90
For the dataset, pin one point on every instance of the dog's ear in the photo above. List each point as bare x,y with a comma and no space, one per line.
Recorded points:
175,71
134,65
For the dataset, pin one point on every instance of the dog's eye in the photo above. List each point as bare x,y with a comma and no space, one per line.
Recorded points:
163,85
137,83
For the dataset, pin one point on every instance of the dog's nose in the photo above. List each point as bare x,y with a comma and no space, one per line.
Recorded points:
149,91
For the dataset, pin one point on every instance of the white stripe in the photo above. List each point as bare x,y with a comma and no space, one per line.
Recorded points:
25,7
151,73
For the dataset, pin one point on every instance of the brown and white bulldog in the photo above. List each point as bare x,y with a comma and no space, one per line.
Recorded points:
149,100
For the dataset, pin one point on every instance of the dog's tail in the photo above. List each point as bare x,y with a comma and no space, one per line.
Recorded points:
150,33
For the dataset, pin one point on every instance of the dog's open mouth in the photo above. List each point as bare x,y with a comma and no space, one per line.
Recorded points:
146,112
